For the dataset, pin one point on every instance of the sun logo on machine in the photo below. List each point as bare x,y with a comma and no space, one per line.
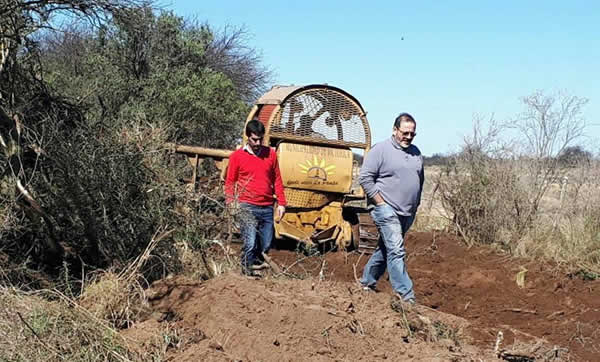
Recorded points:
317,169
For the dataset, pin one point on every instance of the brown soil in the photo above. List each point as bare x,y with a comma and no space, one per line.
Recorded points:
466,297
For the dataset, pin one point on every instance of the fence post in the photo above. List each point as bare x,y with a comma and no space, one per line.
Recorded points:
563,188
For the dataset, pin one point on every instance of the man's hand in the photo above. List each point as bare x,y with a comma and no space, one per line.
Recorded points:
378,199
280,212
232,208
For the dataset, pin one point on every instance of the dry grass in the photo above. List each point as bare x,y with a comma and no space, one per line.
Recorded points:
565,228
32,328
431,214
48,325
568,233
217,259
114,299
120,298
418,325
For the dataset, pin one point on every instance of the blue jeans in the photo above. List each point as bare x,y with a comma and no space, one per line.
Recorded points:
255,221
390,251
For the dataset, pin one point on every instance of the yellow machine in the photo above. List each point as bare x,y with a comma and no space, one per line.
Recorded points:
320,133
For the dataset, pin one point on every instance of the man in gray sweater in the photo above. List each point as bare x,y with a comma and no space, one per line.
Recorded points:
392,177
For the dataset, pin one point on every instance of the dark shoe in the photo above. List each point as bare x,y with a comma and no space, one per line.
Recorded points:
251,274
368,288
262,266
411,301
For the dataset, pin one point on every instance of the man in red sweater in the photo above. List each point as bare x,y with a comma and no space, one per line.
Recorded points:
252,179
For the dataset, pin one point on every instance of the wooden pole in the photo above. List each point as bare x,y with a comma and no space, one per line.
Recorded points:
195,174
202,151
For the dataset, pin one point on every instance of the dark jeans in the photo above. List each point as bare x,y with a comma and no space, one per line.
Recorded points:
256,227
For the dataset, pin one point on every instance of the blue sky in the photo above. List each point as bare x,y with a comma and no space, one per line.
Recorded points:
443,62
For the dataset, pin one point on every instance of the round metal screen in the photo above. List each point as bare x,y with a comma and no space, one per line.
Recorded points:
322,115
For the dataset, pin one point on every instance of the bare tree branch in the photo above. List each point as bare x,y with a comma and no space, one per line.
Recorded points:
229,54
550,123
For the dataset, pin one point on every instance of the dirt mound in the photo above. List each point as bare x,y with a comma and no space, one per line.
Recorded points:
467,297
233,318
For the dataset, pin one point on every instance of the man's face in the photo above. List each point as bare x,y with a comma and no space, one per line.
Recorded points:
255,141
405,134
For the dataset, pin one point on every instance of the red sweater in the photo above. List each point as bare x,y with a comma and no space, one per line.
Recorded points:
254,179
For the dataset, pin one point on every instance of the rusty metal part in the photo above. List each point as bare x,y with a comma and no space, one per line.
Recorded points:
202,151
309,228
319,226
356,191
369,236
308,198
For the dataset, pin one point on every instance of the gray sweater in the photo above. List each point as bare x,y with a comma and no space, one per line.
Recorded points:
396,174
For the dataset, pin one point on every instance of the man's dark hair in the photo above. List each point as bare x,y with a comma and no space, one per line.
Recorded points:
256,127
403,117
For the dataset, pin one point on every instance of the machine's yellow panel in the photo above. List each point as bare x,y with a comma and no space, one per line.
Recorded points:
315,168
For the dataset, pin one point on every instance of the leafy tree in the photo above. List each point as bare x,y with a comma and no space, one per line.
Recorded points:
84,114
34,120
155,68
